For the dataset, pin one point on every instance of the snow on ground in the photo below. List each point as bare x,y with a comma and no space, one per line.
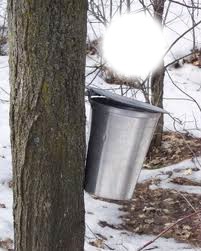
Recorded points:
188,79
180,105
6,220
96,210
185,169
115,239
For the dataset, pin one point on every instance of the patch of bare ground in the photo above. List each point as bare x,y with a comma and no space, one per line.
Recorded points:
175,148
152,211
7,244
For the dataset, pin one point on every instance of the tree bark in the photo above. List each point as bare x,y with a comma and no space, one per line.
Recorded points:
157,80
157,86
47,120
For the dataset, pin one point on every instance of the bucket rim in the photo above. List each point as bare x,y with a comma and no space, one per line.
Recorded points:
123,111
124,101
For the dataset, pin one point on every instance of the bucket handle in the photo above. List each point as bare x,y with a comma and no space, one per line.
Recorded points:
91,94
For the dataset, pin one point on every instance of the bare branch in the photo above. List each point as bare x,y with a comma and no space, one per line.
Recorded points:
182,35
178,59
182,90
185,5
4,90
170,227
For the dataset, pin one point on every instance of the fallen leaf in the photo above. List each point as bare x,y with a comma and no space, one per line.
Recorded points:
6,244
99,243
188,171
2,205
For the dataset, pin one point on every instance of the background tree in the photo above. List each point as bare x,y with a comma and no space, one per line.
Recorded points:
150,89
47,119
3,28
157,79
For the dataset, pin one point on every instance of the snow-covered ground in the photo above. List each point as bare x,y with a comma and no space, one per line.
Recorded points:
96,210
188,78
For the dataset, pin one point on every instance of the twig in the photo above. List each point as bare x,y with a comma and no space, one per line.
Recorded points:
4,100
185,5
99,70
183,99
4,90
182,35
166,13
167,229
145,7
194,155
176,60
199,107
91,72
97,237
189,203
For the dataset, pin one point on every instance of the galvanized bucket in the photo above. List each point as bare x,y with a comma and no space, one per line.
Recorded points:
120,135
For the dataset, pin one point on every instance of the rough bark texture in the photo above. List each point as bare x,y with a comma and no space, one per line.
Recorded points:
157,80
47,119
157,86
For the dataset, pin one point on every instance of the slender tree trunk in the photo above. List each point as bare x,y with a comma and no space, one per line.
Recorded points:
157,80
157,86
128,5
47,120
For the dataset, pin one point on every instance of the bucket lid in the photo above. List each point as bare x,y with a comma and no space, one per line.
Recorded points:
122,100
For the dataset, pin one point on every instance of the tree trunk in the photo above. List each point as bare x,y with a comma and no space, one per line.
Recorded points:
157,86
157,80
47,120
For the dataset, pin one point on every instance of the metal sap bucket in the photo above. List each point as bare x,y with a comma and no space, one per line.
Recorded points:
120,135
